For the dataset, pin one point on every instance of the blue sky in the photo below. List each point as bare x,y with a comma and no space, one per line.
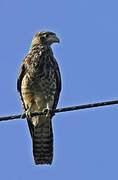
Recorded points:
86,141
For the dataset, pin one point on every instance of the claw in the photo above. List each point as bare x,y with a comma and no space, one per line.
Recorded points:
48,112
23,116
28,113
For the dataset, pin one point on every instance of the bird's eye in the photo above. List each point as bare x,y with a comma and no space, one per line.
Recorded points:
47,35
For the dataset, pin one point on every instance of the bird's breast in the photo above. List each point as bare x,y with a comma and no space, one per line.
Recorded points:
40,76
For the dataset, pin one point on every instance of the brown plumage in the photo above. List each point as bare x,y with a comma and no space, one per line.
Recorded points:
39,85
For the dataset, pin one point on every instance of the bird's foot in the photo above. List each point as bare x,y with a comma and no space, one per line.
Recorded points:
23,116
28,113
48,112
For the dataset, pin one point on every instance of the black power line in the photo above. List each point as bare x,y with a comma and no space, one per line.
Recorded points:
86,106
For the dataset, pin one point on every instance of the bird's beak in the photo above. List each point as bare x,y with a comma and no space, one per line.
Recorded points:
57,39
53,39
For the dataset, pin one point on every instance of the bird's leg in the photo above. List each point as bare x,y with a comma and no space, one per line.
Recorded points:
48,111
28,112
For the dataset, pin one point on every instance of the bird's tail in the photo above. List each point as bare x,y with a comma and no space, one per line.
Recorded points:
43,141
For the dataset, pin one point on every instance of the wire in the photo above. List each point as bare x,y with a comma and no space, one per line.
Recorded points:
86,106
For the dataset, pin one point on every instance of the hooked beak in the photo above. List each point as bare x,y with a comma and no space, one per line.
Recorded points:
53,39
57,40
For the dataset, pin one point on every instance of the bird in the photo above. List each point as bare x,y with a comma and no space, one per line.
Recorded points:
39,85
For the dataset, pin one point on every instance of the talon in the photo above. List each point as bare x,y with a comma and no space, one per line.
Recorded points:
23,116
48,112
28,113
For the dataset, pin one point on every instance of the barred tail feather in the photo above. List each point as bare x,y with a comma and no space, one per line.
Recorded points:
43,143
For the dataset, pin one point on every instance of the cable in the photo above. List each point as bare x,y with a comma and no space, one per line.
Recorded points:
86,106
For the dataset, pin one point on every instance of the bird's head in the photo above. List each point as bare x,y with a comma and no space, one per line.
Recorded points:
45,38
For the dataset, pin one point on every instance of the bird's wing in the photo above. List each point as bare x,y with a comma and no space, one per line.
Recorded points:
58,80
19,82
